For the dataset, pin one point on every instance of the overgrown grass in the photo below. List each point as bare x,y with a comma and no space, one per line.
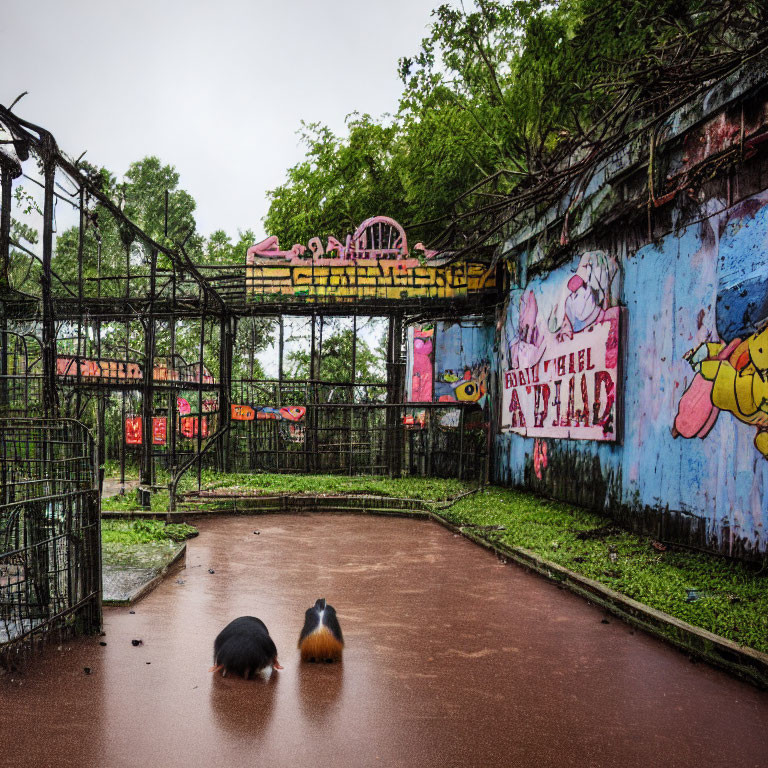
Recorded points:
112,469
128,532
728,598
429,488
141,543
129,502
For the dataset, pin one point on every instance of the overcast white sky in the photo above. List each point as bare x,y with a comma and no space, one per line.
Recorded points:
217,89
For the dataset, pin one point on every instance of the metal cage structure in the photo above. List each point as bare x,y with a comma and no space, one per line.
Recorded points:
342,428
50,555
104,301
108,330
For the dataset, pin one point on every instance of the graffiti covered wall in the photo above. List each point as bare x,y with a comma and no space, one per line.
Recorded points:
560,354
420,374
463,353
691,462
451,362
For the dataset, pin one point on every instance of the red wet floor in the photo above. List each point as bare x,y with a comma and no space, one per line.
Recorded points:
452,659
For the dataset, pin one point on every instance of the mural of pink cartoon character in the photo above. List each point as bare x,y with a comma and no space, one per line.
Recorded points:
422,378
529,344
591,299
539,457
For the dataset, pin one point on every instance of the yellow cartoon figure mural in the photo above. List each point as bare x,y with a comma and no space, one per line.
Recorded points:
730,377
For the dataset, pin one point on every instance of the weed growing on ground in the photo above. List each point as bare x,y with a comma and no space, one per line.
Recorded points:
425,488
129,532
112,469
129,502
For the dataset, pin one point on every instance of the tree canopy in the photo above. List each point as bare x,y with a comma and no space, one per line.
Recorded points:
335,358
503,105
498,96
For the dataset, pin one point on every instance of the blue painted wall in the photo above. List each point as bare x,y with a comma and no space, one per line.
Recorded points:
708,282
463,353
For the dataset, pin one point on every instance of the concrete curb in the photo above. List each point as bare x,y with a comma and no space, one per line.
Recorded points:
144,589
739,660
291,504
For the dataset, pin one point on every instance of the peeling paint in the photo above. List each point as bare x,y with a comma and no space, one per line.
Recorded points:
706,284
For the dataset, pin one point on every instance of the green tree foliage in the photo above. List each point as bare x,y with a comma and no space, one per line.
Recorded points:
500,94
143,197
335,357
109,248
339,183
254,334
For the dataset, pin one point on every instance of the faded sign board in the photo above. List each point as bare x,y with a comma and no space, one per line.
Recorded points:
242,413
70,365
374,263
560,354
571,391
159,430
133,430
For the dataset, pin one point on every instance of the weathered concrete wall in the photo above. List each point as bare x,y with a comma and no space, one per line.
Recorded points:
692,402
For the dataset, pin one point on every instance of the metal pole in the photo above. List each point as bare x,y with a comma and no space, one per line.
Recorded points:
80,239
461,444
122,417
101,404
311,432
351,417
172,407
388,436
5,225
5,255
200,405
148,392
170,447
319,366
312,353
50,395
226,344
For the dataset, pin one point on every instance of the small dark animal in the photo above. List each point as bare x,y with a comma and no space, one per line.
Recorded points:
245,648
321,638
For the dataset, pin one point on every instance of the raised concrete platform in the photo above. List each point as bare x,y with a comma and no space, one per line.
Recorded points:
124,584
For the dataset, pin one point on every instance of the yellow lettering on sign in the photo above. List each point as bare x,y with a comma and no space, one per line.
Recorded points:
390,279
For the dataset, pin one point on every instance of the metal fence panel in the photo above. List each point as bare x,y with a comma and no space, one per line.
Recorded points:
50,556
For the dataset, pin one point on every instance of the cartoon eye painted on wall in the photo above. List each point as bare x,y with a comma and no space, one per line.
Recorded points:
293,413
468,391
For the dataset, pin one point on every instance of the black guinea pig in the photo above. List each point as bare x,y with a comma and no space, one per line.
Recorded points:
245,648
